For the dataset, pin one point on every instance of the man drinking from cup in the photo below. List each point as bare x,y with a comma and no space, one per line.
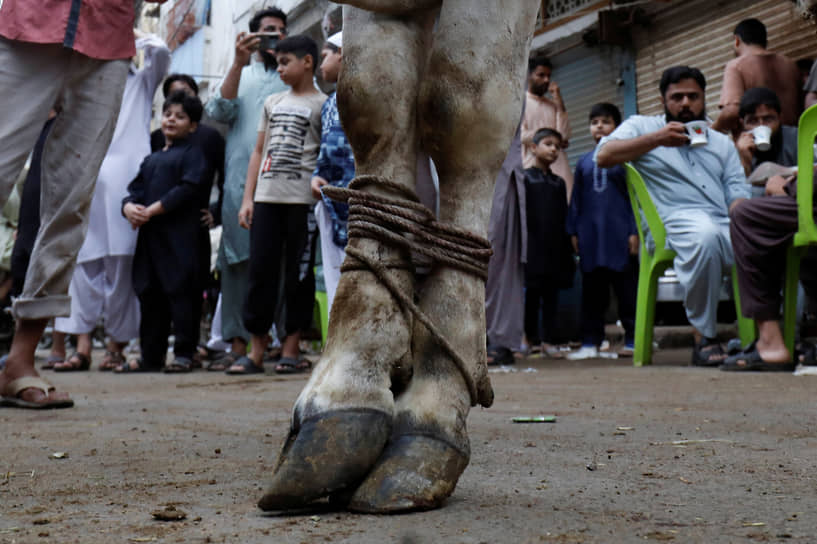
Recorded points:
761,230
764,137
693,188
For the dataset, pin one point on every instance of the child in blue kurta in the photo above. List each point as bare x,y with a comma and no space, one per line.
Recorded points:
603,231
335,167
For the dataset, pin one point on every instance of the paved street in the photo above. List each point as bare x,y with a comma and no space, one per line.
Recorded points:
664,453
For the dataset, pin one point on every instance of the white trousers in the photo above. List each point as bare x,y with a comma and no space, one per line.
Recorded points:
331,254
216,340
704,257
103,288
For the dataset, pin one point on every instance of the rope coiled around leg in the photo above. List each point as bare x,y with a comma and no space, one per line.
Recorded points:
408,224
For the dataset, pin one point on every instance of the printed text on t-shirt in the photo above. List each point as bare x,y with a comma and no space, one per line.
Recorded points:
288,127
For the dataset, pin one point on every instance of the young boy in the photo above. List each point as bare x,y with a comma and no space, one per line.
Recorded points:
603,233
276,206
336,167
163,204
550,258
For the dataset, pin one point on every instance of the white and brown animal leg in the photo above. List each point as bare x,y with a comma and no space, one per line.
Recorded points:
469,104
343,417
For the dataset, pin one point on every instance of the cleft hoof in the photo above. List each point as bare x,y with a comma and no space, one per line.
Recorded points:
415,472
328,453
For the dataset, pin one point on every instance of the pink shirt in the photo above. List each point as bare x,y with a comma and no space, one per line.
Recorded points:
541,112
100,29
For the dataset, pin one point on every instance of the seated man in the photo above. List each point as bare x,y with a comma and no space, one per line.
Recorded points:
692,188
761,230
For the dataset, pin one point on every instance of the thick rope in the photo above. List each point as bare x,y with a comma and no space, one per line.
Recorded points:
409,225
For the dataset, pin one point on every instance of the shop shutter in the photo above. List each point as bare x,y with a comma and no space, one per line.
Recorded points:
586,76
699,33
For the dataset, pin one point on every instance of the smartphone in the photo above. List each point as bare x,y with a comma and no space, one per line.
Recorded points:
268,40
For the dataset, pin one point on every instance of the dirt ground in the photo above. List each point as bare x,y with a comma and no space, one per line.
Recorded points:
664,453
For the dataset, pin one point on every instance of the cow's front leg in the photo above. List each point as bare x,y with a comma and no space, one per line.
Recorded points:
343,417
470,104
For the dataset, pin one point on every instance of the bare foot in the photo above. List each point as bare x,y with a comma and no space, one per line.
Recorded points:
772,354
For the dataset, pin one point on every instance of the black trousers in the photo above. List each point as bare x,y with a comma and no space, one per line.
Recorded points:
541,297
160,309
761,230
596,297
278,243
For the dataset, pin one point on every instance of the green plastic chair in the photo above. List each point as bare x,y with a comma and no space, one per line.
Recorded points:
652,265
321,314
806,234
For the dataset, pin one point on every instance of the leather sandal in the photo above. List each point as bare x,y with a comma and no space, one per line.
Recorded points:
77,362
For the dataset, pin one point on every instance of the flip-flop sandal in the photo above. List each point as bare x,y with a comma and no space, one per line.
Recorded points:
111,361
131,366
77,362
290,365
180,365
244,365
51,361
751,361
222,363
10,395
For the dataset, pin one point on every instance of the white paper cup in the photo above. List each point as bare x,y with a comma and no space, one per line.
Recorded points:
697,133
763,137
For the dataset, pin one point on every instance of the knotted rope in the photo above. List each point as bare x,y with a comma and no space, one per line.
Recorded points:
408,224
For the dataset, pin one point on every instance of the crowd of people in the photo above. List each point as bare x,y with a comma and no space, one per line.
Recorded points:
701,194
144,262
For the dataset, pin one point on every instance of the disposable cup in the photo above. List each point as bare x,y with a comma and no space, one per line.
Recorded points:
763,137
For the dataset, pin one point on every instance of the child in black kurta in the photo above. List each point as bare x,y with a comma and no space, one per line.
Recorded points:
550,257
163,203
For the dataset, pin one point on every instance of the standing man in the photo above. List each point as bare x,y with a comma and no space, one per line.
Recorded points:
75,54
543,112
693,190
239,103
810,88
508,233
102,285
757,67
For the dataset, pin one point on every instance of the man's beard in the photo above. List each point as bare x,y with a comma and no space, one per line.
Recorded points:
685,116
269,60
539,90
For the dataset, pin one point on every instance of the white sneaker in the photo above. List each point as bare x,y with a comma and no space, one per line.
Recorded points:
584,352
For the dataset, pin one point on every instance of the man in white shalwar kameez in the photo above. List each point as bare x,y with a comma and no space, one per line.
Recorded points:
101,286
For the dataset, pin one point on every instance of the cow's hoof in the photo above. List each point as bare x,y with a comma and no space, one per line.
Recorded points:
326,454
415,472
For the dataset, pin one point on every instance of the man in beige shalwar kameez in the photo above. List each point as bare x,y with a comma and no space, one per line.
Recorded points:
544,112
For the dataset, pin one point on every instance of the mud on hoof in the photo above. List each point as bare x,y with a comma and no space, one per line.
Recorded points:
326,454
415,472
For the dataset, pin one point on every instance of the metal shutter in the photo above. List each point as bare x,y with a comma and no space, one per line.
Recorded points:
699,33
587,76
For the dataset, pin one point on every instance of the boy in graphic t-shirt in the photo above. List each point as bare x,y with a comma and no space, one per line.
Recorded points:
276,204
